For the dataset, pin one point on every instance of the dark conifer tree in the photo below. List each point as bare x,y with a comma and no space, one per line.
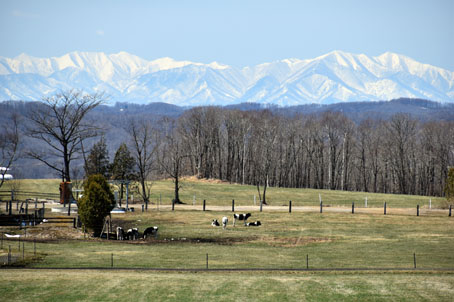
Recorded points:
98,160
123,166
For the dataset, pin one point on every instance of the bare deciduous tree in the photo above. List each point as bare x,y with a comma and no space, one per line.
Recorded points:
61,124
144,148
172,154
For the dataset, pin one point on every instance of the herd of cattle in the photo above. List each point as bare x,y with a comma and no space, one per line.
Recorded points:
240,217
133,233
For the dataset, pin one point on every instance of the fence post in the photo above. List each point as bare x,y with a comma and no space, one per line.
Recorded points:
450,210
321,206
261,205
204,204
74,223
417,210
111,260
307,261
207,260
143,207
385,208
414,259
366,202
290,206
353,207
233,205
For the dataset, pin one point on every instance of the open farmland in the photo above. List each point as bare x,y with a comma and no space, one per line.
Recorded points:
221,193
84,285
381,246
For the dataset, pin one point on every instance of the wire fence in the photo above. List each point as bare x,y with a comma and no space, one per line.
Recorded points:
29,254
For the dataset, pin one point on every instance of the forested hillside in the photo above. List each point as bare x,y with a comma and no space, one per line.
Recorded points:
401,146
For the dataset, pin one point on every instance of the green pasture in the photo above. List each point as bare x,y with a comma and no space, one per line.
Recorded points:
329,240
83,285
216,193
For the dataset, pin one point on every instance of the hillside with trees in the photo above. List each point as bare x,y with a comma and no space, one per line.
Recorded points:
402,146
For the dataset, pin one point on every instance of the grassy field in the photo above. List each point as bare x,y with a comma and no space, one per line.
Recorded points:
217,193
330,240
284,241
46,285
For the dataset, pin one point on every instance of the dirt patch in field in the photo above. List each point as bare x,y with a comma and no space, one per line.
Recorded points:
292,241
46,232
196,240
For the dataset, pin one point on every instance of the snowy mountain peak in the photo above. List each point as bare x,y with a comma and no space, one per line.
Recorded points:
168,63
216,65
334,77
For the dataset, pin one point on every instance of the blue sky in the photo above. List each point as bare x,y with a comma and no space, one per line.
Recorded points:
237,33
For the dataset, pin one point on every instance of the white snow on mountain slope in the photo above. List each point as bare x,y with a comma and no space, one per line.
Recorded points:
334,77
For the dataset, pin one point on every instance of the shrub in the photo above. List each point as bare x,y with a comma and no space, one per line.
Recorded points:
96,203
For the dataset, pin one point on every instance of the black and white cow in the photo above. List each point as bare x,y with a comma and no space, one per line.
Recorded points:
225,220
215,223
255,223
132,234
120,233
240,217
151,231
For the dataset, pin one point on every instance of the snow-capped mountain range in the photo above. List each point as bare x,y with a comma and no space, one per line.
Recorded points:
335,77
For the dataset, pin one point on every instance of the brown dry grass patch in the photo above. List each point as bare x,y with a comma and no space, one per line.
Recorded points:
291,241
203,180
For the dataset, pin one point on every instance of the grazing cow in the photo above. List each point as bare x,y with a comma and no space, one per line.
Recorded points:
136,233
243,217
132,234
129,234
215,223
255,223
224,222
120,233
150,232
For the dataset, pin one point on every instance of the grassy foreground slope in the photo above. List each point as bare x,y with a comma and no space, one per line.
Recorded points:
44,285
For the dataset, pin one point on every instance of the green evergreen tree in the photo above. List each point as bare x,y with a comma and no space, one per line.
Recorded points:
98,160
96,203
123,166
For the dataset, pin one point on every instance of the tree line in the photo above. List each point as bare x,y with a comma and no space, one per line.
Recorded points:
325,151
262,147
